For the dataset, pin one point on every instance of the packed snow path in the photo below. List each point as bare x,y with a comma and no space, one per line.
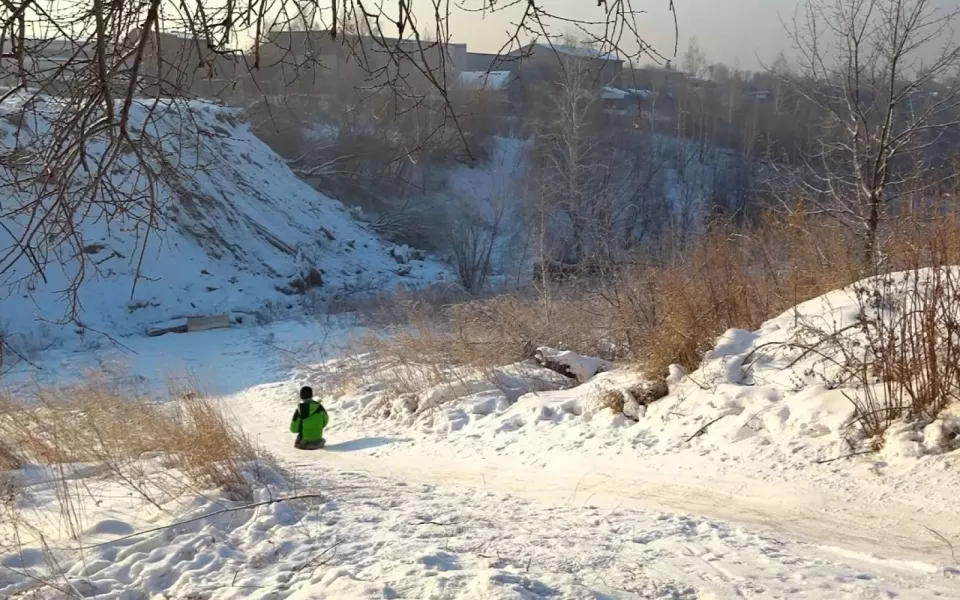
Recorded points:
591,530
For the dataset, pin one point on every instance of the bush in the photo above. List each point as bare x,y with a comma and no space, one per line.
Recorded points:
671,312
904,355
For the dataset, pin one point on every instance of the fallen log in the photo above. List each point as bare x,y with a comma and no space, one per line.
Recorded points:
189,325
570,364
174,326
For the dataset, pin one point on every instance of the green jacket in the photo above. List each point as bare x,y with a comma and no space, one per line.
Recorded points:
309,421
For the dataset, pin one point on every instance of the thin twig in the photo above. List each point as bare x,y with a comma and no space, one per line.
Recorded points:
851,455
953,552
704,428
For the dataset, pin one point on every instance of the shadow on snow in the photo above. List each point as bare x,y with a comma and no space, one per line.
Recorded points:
361,444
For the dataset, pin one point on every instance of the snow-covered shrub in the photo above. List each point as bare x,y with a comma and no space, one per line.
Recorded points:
902,353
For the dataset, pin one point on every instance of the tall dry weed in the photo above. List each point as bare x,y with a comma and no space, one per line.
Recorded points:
671,312
95,423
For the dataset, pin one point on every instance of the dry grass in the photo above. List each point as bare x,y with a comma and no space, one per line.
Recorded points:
453,344
95,423
510,328
906,361
101,446
9,458
738,278
650,313
662,308
730,278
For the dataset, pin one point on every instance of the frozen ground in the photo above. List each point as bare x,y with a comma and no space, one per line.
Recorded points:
493,493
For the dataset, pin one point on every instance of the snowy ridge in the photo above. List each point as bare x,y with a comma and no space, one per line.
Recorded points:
237,228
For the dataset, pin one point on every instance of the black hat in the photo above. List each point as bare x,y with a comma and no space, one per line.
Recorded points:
306,392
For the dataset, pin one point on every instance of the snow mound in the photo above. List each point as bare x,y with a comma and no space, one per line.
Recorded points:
236,231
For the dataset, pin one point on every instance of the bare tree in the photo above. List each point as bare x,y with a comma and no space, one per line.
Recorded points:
595,192
694,60
884,76
474,238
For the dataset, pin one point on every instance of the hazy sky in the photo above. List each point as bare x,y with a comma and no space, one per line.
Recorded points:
728,30
747,33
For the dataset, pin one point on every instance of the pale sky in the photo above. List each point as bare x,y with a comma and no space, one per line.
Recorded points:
728,30
746,33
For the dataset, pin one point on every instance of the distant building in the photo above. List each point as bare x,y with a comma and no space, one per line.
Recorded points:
184,66
551,60
654,78
318,53
48,63
483,61
505,88
484,80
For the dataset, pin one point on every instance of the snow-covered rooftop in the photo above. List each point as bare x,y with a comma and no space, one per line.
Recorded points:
612,93
490,80
640,93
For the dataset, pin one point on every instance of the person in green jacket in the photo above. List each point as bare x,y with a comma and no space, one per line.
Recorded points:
309,421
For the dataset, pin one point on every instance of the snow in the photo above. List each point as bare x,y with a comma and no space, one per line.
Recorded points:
367,536
451,482
494,189
238,228
643,94
582,368
612,93
489,80
539,492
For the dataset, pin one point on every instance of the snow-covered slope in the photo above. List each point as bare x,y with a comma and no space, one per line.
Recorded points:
511,488
236,231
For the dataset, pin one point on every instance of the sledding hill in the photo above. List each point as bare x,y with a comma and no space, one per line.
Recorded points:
237,231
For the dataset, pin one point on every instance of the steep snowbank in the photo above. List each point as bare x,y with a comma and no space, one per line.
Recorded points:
237,230
781,396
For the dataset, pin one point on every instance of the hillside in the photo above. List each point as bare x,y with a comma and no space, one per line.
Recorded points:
236,233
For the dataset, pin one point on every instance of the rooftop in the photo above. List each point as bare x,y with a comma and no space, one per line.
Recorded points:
490,80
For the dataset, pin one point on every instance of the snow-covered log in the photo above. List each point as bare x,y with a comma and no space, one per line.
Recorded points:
570,364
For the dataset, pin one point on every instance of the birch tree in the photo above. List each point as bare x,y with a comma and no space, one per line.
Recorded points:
884,75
